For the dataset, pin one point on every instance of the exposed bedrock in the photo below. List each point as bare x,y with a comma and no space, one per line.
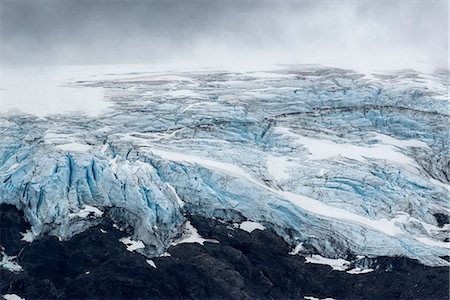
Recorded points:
232,264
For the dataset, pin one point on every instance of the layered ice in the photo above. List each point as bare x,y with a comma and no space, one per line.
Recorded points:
329,159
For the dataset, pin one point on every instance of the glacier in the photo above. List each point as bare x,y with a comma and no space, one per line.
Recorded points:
331,159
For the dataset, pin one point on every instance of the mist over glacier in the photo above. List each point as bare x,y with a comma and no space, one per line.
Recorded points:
201,33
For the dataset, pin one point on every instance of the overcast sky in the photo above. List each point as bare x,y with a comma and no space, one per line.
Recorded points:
207,32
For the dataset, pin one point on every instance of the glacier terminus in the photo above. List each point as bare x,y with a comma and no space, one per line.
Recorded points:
334,161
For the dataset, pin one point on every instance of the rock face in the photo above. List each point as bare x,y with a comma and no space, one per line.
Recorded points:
240,265
327,157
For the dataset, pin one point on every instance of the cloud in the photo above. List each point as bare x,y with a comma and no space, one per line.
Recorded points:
204,32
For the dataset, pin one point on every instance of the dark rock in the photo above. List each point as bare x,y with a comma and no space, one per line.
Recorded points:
442,219
95,265
12,224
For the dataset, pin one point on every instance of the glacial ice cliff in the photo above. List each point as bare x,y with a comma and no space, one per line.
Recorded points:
329,159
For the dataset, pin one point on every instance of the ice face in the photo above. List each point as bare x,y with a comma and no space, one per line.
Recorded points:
327,158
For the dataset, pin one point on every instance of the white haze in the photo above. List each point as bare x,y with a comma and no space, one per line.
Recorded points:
363,34
149,36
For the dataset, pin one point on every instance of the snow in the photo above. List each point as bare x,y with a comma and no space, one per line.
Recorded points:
338,264
52,136
13,167
270,75
297,249
157,77
404,218
74,147
43,91
65,141
117,227
427,241
314,298
27,236
12,297
191,235
103,148
382,225
277,166
359,271
132,245
199,105
151,263
225,168
180,202
385,139
86,211
103,231
9,263
326,149
113,164
250,226
183,93
436,182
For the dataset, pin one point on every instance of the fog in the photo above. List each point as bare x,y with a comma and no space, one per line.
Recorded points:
208,33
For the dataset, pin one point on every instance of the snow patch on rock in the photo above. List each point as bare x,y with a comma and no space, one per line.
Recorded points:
250,226
359,271
132,245
9,263
151,263
337,264
86,211
12,297
191,235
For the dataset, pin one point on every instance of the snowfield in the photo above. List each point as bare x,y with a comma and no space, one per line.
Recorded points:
329,159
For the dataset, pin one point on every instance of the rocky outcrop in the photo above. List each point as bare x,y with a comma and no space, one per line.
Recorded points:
94,264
